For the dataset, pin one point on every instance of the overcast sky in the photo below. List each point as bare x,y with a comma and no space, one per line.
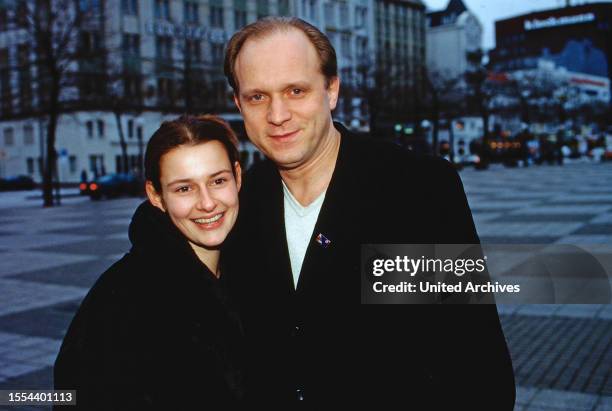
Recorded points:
488,11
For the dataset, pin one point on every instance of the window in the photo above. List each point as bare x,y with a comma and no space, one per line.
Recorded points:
3,17
346,45
240,18
22,13
90,42
217,53
362,47
163,47
190,12
89,6
9,138
28,135
283,7
165,89
25,79
131,53
361,16
89,125
30,165
130,128
309,8
263,8
96,165
129,7
100,124
344,14
5,82
193,50
132,86
161,9
330,14
131,44
72,164
216,16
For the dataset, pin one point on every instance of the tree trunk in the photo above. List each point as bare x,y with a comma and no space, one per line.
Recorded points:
122,143
436,122
51,163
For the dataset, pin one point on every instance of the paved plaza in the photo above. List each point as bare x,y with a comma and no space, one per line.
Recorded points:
562,355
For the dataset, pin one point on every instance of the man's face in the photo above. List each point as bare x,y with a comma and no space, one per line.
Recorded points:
283,99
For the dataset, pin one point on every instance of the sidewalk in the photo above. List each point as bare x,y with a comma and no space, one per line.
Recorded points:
562,355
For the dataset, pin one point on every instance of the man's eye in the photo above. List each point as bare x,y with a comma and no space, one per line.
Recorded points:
297,91
219,181
182,189
256,97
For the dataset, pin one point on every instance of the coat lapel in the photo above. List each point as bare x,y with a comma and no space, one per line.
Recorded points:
272,225
334,224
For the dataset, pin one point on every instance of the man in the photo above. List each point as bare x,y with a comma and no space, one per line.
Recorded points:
305,213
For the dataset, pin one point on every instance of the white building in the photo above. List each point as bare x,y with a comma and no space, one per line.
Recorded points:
451,33
149,42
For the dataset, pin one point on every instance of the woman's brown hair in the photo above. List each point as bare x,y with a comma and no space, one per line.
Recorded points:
187,130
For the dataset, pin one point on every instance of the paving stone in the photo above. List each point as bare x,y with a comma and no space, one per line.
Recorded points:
90,247
594,229
564,400
81,274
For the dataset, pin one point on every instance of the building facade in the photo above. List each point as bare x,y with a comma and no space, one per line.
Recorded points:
451,34
574,42
397,68
135,63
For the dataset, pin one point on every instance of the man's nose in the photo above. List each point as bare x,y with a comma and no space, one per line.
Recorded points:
278,112
206,201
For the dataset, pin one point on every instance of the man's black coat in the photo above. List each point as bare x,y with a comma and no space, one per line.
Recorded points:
317,342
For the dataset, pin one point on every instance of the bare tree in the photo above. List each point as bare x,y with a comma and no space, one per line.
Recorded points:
52,48
445,101
479,89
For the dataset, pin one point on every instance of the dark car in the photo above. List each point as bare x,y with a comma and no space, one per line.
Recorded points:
115,185
17,183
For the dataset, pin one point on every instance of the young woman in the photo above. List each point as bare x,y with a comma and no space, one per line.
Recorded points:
158,330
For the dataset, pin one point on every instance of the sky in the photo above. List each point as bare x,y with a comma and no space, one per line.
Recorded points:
488,11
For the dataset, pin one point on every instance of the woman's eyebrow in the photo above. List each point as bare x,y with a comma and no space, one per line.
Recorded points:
188,180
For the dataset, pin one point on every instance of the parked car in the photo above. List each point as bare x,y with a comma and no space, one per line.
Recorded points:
17,183
115,185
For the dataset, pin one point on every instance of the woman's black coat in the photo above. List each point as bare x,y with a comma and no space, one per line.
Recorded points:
156,330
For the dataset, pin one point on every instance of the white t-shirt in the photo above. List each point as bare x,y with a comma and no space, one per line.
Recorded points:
299,224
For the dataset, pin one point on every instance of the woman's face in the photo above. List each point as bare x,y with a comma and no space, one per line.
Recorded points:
199,192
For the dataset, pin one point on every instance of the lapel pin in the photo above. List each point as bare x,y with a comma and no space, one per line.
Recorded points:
323,241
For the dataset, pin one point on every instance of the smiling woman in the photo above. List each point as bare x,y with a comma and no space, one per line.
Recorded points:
158,329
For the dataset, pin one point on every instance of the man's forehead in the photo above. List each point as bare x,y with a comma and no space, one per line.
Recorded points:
281,56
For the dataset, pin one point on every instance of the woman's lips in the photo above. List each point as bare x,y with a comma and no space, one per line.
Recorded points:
210,223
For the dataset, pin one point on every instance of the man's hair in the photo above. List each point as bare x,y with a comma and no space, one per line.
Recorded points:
269,25
191,131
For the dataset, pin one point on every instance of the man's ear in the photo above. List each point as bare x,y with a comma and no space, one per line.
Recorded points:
154,197
332,92
237,102
238,174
